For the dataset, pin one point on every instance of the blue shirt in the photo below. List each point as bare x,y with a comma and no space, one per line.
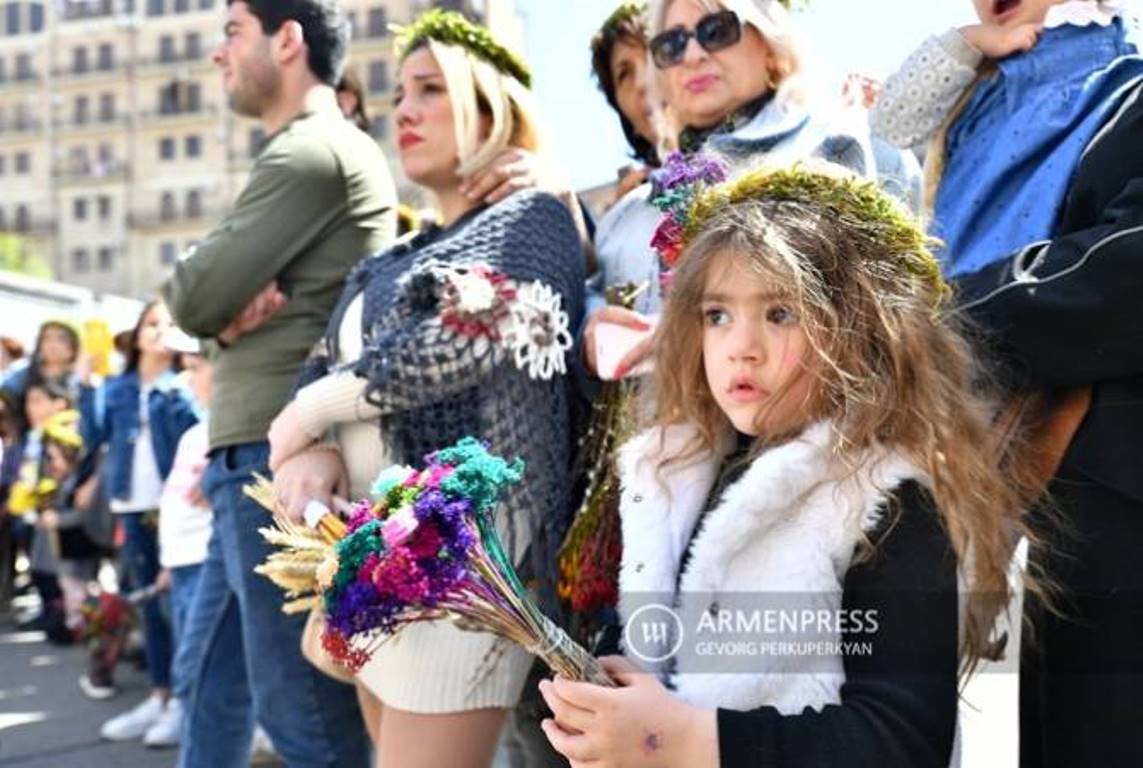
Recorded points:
1011,154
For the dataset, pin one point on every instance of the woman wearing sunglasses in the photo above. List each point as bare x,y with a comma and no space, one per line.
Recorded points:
736,81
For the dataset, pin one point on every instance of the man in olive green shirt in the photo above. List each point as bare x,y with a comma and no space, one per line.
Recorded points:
319,199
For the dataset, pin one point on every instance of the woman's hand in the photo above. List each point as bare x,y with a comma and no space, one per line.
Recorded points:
618,316
639,724
287,436
512,170
49,520
997,42
317,474
260,309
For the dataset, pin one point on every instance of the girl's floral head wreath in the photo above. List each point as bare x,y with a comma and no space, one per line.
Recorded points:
690,190
451,28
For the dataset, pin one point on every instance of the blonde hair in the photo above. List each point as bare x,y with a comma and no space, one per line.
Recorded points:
888,370
772,21
475,89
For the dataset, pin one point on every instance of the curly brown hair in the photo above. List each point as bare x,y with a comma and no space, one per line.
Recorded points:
891,366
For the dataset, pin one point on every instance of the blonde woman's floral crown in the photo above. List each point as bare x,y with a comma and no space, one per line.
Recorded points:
451,28
690,191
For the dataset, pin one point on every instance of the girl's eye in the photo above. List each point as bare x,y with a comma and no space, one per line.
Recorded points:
715,317
781,315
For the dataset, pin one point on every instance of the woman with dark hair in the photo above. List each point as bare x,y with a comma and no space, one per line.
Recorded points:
351,100
54,358
139,416
619,63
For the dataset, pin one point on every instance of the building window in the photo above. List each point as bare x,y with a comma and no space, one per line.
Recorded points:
194,97
180,96
205,5
106,259
155,7
166,148
378,76
167,211
23,162
81,110
192,46
194,204
106,56
378,22
105,154
78,60
103,203
168,252
36,23
107,107
256,139
79,209
3,70
80,262
167,48
78,163
182,6
12,12
21,221
193,146
3,220
24,66
380,128
3,164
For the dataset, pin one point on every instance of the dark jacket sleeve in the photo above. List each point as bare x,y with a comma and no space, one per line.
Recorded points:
899,702
282,210
1066,312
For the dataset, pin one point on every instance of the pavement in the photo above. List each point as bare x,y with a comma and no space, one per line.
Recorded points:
46,722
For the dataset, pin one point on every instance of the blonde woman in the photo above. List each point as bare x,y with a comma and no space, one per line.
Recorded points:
417,345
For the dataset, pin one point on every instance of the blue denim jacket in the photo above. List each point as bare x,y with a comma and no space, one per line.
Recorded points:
110,416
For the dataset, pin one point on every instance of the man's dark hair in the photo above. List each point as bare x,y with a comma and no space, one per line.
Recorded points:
630,30
324,26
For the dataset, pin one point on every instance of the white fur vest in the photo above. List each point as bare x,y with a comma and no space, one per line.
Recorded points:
789,525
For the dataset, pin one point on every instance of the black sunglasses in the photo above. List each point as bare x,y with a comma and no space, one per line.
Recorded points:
714,32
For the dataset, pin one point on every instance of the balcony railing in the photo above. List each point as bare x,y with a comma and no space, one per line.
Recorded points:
36,226
21,79
100,69
116,170
196,111
74,123
20,127
155,218
180,59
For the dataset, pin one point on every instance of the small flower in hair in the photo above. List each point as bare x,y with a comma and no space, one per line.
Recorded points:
673,187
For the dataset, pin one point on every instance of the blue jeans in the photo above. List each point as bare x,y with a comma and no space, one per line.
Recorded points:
141,553
251,665
184,584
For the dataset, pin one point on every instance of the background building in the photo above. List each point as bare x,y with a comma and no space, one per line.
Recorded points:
117,150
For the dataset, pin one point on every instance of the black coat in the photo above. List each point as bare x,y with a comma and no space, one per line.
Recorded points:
1069,312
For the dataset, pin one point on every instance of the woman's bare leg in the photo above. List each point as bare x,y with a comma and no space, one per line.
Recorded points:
458,740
